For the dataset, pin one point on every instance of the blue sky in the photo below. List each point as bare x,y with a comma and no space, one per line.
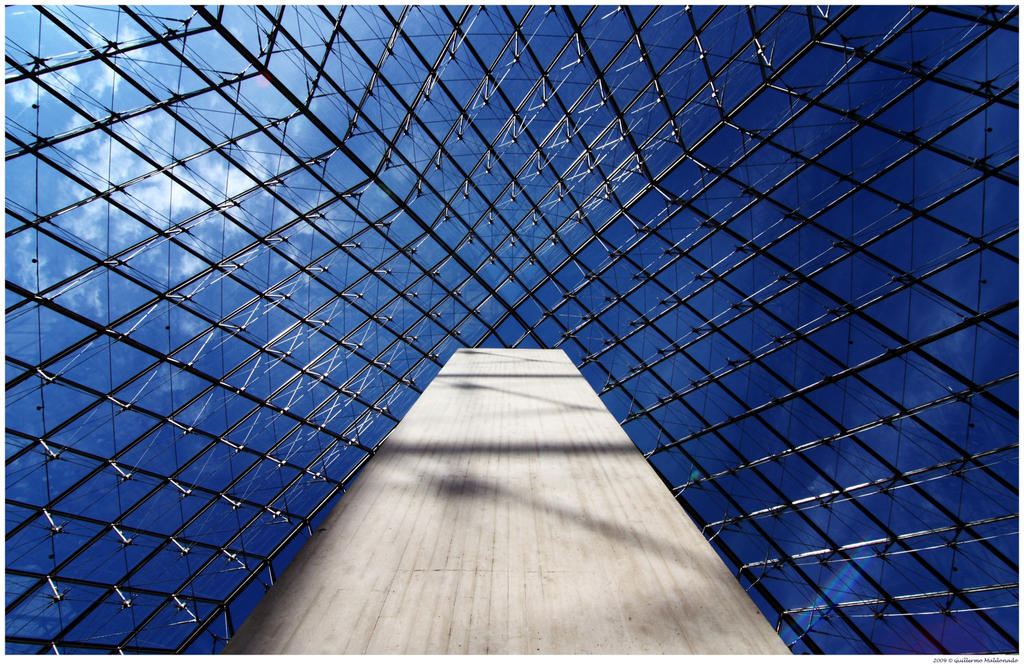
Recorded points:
791,266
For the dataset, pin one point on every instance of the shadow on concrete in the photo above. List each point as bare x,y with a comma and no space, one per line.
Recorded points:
513,359
622,448
463,486
476,387
508,375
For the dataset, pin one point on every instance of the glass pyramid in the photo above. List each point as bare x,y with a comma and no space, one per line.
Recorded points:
781,242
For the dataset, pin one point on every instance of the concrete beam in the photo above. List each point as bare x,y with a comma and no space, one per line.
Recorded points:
507,513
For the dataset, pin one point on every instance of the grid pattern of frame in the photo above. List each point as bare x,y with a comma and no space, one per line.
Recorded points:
780,241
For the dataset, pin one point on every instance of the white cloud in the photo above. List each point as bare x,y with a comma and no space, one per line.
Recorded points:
23,93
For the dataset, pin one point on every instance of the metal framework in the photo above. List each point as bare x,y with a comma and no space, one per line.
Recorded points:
781,242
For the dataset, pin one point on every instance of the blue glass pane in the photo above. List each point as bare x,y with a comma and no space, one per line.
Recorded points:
780,242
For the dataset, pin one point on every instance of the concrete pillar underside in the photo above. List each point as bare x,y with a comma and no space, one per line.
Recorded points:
507,513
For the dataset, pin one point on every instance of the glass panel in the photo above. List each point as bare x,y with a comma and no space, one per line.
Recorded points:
780,242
